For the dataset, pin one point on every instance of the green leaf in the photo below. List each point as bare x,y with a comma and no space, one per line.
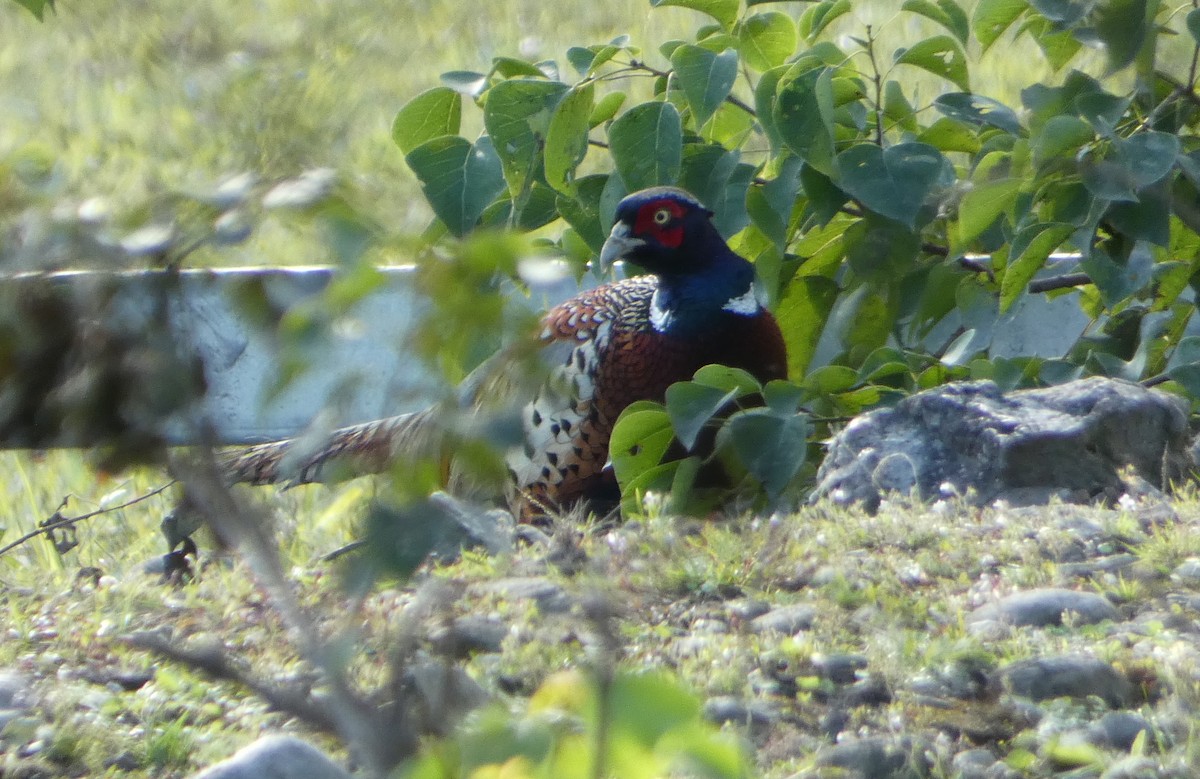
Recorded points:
881,250
582,211
1193,24
648,705
647,145
1148,219
606,109
459,178
567,137
1059,45
724,11
982,204
581,59
783,397
883,363
1149,155
723,377
537,210
825,199
691,406
1032,245
894,182
1122,27
830,380
465,82
1188,376
639,440
1107,179
802,313
659,479
978,110
948,135
37,7
1101,110
819,16
897,108
767,39
517,117
940,55
771,445
705,78
512,68
770,205
764,104
720,181
803,115
945,13
433,113
993,17
1061,137
587,61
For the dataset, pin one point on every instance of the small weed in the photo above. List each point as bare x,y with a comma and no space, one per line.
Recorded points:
170,746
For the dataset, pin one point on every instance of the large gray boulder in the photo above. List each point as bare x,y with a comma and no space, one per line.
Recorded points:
1080,440
276,757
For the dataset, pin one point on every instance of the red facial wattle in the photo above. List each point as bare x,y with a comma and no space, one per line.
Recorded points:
651,224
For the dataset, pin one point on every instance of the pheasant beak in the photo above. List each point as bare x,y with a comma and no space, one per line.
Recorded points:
619,243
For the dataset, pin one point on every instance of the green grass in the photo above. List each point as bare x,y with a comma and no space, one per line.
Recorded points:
132,101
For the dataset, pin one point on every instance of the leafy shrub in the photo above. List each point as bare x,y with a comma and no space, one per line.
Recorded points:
891,235
639,724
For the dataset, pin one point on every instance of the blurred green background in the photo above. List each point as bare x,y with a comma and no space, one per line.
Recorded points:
131,102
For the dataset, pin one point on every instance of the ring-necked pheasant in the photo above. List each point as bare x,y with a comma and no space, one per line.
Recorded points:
607,348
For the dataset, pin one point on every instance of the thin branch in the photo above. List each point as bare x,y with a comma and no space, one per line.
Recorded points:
50,526
212,661
877,79
1182,90
1065,281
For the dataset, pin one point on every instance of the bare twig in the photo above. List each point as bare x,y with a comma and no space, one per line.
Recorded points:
353,717
212,661
1064,281
48,528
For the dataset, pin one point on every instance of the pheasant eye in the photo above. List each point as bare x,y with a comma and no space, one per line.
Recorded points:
662,216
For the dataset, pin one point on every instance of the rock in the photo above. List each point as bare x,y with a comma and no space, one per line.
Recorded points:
973,763
550,598
276,757
972,439
834,722
875,758
1044,607
446,694
726,708
124,762
13,689
785,619
472,633
872,691
1188,571
1043,678
747,608
437,527
839,668
471,526
1119,729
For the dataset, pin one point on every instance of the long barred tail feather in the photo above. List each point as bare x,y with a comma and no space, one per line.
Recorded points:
350,451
